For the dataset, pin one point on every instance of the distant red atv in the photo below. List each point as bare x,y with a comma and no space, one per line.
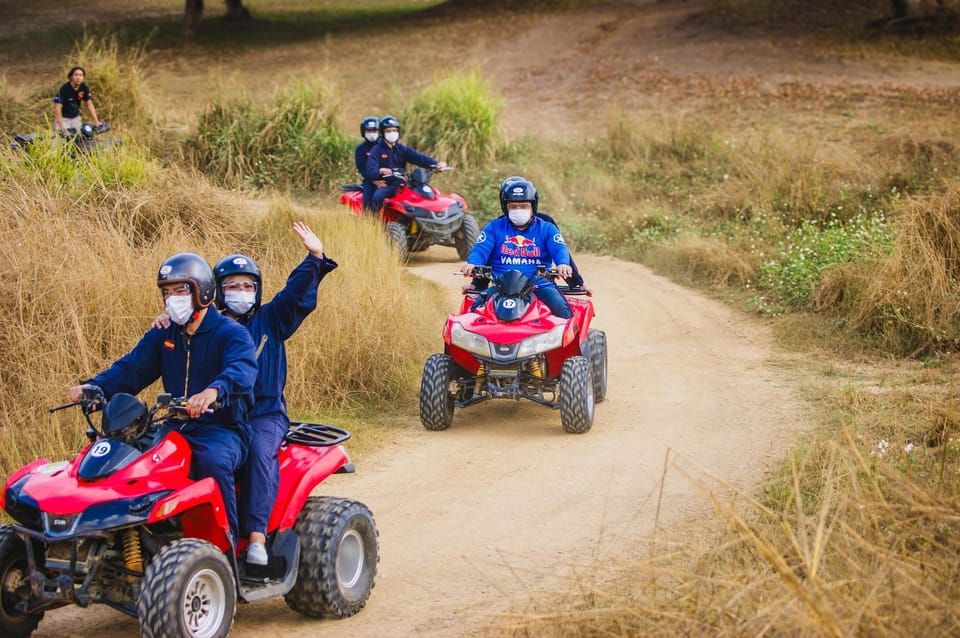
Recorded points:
123,525
513,347
417,216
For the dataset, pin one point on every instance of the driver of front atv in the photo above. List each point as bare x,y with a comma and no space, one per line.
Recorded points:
204,356
522,241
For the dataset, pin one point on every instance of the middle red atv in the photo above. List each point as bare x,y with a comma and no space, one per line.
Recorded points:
512,347
417,216
124,525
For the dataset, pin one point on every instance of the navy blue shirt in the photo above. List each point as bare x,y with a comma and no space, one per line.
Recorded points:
503,247
219,355
396,158
360,156
276,321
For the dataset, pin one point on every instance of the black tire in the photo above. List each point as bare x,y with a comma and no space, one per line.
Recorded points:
339,552
436,402
398,235
466,237
188,591
576,396
597,340
14,587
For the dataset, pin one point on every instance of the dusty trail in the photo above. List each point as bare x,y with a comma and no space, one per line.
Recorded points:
504,503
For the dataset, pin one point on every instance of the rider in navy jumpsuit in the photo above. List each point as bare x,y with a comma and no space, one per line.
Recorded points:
220,355
270,325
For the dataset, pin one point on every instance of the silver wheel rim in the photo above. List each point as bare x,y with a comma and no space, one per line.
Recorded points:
350,559
203,604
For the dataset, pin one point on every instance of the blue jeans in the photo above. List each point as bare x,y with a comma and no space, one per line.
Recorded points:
261,475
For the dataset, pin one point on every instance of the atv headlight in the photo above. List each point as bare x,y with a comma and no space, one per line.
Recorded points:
469,341
542,343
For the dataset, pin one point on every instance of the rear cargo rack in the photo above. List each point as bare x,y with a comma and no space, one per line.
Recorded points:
315,434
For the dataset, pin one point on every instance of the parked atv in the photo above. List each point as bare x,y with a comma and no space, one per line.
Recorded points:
512,347
123,524
82,140
417,216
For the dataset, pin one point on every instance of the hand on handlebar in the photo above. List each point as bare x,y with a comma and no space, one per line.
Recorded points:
564,270
200,402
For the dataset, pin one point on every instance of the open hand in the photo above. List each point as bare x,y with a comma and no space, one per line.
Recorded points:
309,239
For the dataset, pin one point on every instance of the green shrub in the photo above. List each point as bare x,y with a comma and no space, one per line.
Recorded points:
789,278
455,119
292,143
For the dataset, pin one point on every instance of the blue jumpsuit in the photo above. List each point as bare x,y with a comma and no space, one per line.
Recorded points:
360,156
271,325
219,355
396,158
503,247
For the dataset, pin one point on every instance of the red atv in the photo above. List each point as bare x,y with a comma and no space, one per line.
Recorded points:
122,524
417,216
512,347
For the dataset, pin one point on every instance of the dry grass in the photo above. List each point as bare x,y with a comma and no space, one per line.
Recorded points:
79,257
849,539
909,300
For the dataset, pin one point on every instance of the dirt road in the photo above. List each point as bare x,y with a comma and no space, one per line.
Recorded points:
504,503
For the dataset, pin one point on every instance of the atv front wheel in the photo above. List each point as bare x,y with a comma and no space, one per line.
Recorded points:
597,342
14,586
466,237
338,557
576,396
398,235
436,402
188,590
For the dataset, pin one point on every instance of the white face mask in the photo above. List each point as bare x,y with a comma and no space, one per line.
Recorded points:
239,302
180,308
519,216
371,137
392,136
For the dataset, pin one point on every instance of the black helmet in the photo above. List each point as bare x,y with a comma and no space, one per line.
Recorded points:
388,121
192,269
517,189
237,265
87,131
368,123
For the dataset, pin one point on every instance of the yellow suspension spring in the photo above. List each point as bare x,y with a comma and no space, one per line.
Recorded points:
131,551
533,367
478,384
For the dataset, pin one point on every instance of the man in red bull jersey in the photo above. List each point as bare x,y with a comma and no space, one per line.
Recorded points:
522,241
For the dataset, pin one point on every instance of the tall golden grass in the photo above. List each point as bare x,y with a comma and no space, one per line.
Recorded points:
910,301
78,264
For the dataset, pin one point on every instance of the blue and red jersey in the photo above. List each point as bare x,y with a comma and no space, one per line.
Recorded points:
503,247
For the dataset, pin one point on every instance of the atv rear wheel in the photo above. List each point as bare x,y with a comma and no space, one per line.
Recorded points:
398,235
14,586
597,342
576,396
436,402
338,557
188,590
466,237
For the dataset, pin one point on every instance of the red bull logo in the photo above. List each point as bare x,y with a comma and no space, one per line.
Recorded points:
519,246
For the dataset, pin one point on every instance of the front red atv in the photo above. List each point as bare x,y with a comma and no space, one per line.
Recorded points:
123,524
512,347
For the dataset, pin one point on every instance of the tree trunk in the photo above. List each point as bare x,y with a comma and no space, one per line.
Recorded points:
906,8
192,12
236,10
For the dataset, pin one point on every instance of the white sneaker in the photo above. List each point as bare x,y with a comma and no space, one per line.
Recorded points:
257,554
